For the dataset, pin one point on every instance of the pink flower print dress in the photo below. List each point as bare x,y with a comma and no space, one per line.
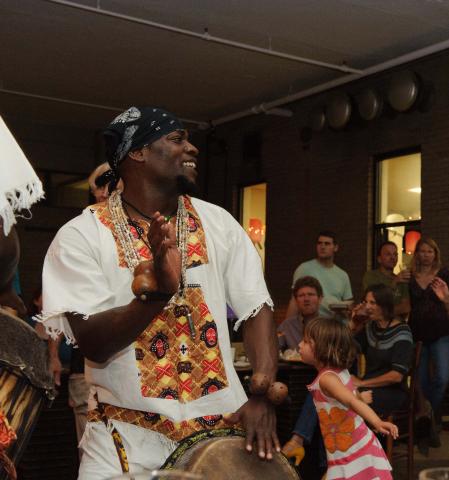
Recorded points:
353,451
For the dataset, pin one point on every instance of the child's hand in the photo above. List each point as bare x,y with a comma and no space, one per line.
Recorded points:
366,396
387,428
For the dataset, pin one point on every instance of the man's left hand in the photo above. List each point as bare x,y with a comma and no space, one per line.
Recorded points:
258,418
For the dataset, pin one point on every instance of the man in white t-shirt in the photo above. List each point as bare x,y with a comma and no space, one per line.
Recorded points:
334,281
159,364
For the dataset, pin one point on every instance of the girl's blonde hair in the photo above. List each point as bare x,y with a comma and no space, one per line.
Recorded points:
333,342
415,264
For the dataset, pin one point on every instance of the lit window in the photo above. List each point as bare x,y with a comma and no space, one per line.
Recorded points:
253,215
398,204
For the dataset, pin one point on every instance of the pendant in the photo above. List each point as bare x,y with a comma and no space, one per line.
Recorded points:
191,325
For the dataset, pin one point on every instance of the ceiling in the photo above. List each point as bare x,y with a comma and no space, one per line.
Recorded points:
89,65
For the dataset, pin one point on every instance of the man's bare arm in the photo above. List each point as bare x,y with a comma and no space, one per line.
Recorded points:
258,415
261,344
106,333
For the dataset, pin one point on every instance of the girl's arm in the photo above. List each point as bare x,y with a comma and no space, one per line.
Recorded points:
333,387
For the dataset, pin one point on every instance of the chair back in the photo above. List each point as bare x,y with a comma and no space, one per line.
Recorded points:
413,374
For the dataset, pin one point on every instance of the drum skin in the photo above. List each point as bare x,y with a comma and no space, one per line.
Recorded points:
221,455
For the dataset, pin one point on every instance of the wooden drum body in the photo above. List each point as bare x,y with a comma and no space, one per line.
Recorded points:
221,455
25,383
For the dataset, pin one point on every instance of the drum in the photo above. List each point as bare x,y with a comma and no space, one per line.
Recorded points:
25,383
220,455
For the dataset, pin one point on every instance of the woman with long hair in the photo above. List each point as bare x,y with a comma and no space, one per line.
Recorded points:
429,321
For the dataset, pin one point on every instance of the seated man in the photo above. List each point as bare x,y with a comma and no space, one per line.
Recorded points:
308,294
387,258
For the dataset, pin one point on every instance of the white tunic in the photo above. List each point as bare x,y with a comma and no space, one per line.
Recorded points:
82,274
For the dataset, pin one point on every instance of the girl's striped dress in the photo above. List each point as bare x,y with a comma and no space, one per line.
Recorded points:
353,451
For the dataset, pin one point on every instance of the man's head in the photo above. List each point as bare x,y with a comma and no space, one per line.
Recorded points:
387,256
326,245
154,145
308,294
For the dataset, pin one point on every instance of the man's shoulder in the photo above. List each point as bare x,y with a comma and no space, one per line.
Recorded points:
339,271
311,264
202,205
289,322
370,277
83,224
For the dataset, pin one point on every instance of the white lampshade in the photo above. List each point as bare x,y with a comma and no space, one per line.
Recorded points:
20,187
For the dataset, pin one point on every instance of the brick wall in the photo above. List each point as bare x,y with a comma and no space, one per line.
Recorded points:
328,183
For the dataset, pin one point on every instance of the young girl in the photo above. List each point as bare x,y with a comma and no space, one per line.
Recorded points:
353,451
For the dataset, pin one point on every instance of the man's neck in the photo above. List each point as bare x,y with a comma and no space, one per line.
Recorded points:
306,318
386,271
148,201
326,262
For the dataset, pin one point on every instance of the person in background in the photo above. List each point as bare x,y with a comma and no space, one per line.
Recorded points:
387,343
429,321
333,280
308,294
387,258
99,181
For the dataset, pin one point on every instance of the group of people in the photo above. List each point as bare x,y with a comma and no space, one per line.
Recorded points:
396,311
140,283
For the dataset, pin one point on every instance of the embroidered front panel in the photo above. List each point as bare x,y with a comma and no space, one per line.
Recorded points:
159,423
178,355
196,241
103,214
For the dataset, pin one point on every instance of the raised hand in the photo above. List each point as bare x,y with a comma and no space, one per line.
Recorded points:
440,288
166,256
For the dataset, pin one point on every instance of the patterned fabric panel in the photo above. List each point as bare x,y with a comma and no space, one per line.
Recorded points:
173,363
196,241
159,423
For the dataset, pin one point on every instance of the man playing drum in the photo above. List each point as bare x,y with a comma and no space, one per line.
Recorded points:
159,362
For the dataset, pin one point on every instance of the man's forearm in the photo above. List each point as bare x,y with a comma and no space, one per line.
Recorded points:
390,378
261,344
292,308
104,334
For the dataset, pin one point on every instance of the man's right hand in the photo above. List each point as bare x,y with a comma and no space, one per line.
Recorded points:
55,368
166,256
403,276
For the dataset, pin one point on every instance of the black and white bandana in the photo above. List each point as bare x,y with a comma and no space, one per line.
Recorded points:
135,128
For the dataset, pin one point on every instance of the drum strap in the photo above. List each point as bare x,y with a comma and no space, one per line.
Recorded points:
116,437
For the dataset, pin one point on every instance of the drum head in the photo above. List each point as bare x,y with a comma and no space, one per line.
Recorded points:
220,455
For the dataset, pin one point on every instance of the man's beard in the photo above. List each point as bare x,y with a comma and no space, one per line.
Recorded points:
186,186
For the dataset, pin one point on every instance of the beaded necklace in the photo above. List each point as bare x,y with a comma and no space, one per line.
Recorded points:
126,239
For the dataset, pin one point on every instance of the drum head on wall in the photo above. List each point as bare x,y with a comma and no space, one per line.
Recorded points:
317,120
369,104
338,112
403,90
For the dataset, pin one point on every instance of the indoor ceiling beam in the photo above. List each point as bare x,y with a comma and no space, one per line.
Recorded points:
207,37
395,62
200,124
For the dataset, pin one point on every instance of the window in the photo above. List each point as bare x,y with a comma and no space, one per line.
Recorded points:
398,204
253,215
